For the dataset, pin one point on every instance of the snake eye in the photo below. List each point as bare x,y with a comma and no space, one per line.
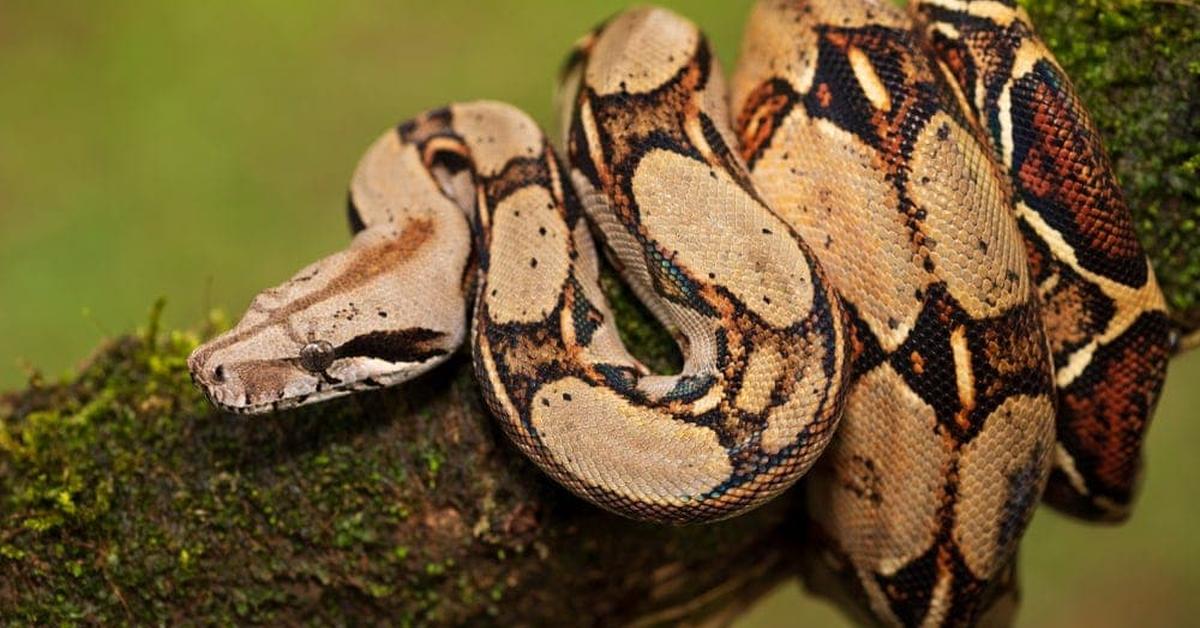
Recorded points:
316,356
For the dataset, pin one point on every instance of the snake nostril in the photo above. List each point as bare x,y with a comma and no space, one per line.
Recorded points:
218,373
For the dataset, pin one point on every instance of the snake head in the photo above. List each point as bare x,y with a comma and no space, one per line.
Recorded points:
386,309
356,320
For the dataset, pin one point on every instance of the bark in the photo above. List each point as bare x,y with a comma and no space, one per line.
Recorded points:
129,499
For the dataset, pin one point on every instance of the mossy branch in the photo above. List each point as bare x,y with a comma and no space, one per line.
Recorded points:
126,498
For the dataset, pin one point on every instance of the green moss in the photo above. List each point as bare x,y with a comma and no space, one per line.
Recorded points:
645,337
123,493
1136,64
127,498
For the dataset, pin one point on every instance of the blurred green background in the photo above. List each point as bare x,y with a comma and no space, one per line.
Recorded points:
200,151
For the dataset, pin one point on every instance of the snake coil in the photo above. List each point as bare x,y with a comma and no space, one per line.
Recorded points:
895,253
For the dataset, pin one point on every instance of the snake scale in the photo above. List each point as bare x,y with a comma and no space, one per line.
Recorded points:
894,257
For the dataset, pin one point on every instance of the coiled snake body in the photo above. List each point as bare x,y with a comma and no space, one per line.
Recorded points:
868,248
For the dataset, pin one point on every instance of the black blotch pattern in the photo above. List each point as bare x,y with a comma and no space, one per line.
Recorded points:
837,95
585,317
867,352
936,381
420,129
622,379
910,589
689,388
767,107
353,215
406,345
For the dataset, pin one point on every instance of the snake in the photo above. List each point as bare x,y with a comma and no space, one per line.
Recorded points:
1103,310
892,252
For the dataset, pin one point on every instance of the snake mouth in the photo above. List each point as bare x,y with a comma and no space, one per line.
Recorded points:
252,386
263,386
234,408
252,408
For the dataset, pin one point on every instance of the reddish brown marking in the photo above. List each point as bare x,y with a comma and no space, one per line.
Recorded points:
392,253
955,60
1011,351
858,346
1065,166
963,417
1068,318
367,264
824,95
759,118
1039,259
918,363
1108,419
263,375
533,350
